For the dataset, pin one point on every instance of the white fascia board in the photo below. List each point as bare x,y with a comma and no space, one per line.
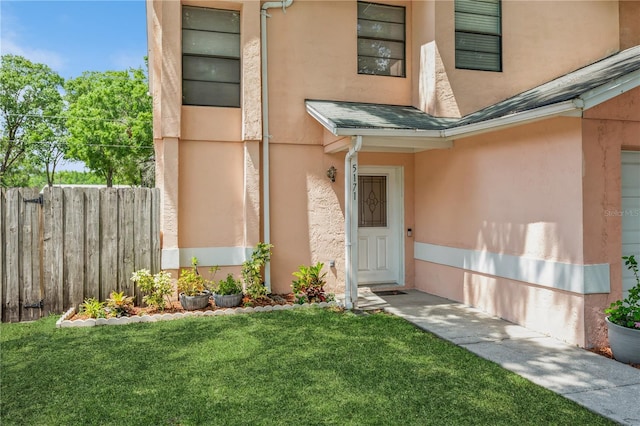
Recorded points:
568,108
405,133
610,90
403,142
328,124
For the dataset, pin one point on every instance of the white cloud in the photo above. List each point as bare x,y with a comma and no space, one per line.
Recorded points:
10,43
53,59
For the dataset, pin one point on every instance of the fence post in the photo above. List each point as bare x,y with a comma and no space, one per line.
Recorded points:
3,242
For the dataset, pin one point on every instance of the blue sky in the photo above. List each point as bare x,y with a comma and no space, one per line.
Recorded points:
75,36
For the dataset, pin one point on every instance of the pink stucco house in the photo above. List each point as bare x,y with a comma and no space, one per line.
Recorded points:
485,151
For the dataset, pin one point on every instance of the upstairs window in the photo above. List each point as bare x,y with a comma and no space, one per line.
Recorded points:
210,57
478,35
381,39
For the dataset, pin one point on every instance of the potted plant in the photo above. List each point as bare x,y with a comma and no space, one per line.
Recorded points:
228,292
623,321
192,288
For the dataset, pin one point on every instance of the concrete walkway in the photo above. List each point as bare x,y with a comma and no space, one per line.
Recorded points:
604,386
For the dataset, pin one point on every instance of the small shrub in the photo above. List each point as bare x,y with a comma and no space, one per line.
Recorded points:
157,288
191,283
228,286
252,270
93,308
309,286
627,312
119,305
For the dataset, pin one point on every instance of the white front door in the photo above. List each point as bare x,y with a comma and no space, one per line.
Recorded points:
380,236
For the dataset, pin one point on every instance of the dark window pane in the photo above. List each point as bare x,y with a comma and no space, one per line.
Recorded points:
478,61
199,18
380,66
381,12
210,94
380,49
491,8
477,23
211,43
477,42
211,69
381,35
383,30
210,57
478,26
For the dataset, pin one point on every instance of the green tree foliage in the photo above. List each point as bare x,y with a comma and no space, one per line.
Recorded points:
110,126
69,177
30,118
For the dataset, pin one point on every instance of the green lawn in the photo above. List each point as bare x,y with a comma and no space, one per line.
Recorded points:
299,367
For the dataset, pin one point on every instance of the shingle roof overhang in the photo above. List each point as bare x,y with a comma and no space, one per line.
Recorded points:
397,127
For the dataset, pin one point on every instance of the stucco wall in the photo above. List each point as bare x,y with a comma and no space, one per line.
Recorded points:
307,216
211,194
516,192
540,41
608,129
313,54
629,23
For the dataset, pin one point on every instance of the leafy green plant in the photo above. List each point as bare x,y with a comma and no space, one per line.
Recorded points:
157,287
191,283
252,270
93,308
309,286
119,305
626,312
228,286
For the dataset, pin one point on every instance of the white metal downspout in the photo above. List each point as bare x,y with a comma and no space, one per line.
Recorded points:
265,129
350,240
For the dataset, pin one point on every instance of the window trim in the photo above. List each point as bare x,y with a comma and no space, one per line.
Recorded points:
403,41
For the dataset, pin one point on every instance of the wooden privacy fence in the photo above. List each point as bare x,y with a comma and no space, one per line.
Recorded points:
63,245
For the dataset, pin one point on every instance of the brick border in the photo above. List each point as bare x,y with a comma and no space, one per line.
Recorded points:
65,321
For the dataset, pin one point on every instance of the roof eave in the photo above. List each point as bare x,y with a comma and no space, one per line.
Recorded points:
610,90
571,108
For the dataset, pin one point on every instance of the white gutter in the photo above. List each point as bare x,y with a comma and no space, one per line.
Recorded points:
265,129
350,196
610,90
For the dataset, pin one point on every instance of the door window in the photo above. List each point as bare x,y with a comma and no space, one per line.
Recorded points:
372,206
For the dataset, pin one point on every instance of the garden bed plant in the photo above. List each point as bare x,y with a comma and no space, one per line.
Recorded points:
157,303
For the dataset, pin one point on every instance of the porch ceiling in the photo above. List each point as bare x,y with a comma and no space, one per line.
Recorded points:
407,129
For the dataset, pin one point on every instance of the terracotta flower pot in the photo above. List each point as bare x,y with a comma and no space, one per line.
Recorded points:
624,342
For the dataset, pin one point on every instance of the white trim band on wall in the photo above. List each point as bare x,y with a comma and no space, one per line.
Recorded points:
175,258
581,279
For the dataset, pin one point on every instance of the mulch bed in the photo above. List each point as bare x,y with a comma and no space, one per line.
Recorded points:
247,301
606,351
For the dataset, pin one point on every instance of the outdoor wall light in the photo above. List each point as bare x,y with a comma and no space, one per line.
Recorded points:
331,173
